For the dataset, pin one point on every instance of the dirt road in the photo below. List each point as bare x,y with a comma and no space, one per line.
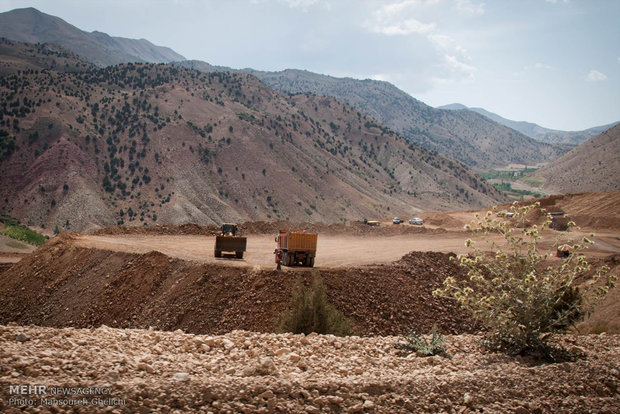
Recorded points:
333,250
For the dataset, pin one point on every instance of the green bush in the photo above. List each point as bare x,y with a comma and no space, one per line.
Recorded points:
24,234
418,344
311,312
521,302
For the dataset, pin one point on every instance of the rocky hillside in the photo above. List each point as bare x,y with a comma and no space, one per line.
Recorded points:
468,137
146,144
19,56
471,139
536,131
592,166
32,26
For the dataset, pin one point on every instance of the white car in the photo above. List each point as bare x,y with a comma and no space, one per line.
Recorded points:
417,221
396,220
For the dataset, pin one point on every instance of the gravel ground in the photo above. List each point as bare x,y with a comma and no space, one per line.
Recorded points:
154,371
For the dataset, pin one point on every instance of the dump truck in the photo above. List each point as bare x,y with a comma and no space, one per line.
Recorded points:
296,248
229,242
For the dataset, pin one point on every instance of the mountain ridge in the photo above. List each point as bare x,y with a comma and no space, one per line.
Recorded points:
473,140
534,130
592,166
469,138
143,144
33,26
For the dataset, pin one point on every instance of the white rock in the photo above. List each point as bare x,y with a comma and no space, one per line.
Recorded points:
467,398
181,376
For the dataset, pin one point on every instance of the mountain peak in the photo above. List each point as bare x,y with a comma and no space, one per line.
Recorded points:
33,26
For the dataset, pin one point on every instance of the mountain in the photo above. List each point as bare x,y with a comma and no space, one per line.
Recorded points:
146,144
18,56
535,131
592,166
474,140
32,26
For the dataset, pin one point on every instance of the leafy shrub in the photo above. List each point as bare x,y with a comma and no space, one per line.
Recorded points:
418,344
311,312
24,234
521,302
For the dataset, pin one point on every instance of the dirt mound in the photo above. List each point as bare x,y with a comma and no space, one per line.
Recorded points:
271,227
65,285
186,229
598,211
440,219
5,266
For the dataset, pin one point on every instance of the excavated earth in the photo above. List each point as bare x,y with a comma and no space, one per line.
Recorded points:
147,371
63,285
164,334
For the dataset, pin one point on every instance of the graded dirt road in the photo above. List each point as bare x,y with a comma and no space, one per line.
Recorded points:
333,250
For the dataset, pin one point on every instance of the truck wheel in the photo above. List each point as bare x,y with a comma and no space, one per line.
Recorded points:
239,255
218,253
311,262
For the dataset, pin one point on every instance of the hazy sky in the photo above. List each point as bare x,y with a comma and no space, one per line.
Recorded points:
553,62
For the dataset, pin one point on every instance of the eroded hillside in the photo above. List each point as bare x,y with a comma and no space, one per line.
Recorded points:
146,144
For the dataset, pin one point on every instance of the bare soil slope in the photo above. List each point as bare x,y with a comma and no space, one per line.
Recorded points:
465,136
592,166
62,284
158,144
153,371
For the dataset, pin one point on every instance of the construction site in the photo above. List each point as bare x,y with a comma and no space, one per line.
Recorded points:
185,318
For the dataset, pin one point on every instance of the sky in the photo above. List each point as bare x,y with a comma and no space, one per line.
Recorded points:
552,62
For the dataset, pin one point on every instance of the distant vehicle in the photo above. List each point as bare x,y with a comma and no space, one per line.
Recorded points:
416,220
296,247
372,223
229,242
396,220
505,213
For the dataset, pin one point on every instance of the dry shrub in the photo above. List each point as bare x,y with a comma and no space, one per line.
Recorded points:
520,302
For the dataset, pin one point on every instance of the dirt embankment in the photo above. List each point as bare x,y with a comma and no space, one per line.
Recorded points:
245,372
265,227
65,285
596,211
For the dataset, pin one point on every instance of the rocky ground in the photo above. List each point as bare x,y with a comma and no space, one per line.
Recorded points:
154,371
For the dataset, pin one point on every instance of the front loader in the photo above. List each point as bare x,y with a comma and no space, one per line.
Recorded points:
229,242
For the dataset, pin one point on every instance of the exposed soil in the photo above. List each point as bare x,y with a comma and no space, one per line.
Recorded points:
152,371
165,277
62,284
273,227
332,251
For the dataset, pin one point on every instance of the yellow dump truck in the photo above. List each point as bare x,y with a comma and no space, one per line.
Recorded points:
296,248
229,242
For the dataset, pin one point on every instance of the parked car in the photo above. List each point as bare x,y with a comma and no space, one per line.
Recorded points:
396,220
505,213
416,220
